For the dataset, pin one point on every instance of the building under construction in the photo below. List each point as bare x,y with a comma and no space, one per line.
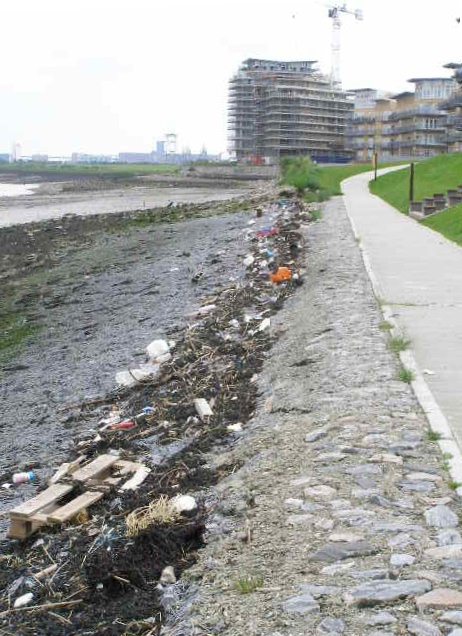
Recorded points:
279,109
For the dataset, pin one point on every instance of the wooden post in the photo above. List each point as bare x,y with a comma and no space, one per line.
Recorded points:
374,164
411,183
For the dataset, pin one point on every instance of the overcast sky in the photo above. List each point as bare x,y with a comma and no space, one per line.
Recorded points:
105,76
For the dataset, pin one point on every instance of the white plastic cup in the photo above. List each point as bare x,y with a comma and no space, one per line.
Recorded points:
23,478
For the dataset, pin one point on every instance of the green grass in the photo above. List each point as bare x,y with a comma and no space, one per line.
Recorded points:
448,223
433,436
454,485
114,170
247,584
385,326
437,174
405,375
14,330
398,344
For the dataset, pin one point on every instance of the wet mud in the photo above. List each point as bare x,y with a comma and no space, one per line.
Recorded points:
100,298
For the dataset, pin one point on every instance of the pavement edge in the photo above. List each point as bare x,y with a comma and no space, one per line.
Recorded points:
435,417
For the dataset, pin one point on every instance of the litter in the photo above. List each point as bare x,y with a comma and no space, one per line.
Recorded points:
266,323
23,478
281,275
23,600
183,503
158,351
249,260
202,408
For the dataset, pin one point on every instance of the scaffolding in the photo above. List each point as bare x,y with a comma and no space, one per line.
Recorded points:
278,109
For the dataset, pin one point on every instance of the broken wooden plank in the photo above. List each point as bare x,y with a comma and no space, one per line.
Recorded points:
66,469
95,468
124,466
45,498
137,479
73,508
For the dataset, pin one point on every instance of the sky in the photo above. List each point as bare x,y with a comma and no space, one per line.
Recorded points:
110,76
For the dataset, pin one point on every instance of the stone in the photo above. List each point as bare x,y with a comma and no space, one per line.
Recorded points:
365,482
338,568
324,524
401,540
320,590
452,616
294,503
320,492
330,457
338,551
456,632
296,520
444,552
401,560
381,618
440,598
331,625
302,481
424,477
345,537
168,576
422,628
364,469
303,604
394,526
441,517
448,537
417,486
378,592
386,458
316,434
375,574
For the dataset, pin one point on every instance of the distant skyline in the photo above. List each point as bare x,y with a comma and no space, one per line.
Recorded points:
103,77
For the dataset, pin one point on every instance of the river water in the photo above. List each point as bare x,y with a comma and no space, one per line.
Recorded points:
16,190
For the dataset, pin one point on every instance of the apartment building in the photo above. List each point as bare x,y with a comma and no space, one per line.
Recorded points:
279,109
408,125
453,109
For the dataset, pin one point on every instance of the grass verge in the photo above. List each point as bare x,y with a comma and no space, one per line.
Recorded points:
448,223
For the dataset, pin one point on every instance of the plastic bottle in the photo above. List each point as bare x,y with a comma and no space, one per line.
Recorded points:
23,478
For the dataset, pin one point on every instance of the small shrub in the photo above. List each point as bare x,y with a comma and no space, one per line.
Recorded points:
454,485
405,375
433,436
398,344
385,326
248,584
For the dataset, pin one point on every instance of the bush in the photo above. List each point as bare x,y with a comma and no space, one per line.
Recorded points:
301,173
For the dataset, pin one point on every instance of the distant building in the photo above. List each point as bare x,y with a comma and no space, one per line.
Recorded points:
39,158
407,125
16,152
4,157
453,109
279,109
80,157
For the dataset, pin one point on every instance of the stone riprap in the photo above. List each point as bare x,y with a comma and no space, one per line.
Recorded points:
342,508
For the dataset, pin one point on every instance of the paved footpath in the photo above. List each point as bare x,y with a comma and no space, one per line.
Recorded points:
419,275
339,517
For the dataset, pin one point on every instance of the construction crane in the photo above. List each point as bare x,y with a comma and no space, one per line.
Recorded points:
334,13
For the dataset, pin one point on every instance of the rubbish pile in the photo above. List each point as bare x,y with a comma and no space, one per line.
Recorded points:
105,570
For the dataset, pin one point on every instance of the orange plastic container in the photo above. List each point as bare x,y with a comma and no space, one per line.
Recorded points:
281,275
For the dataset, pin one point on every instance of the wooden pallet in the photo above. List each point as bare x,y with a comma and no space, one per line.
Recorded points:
100,476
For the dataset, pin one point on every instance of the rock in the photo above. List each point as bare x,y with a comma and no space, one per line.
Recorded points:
456,632
330,457
440,599
303,604
331,625
452,616
365,482
395,527
320,590
417,486
444,552
448,537
168,576
364,469
296,520
345,537
422,628
378,592
316,434
376,574
441,517
338,568
401,560
320,492
381,618
424,477
338,551
386,458
401,540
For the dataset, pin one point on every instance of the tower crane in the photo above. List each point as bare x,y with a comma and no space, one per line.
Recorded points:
334,13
